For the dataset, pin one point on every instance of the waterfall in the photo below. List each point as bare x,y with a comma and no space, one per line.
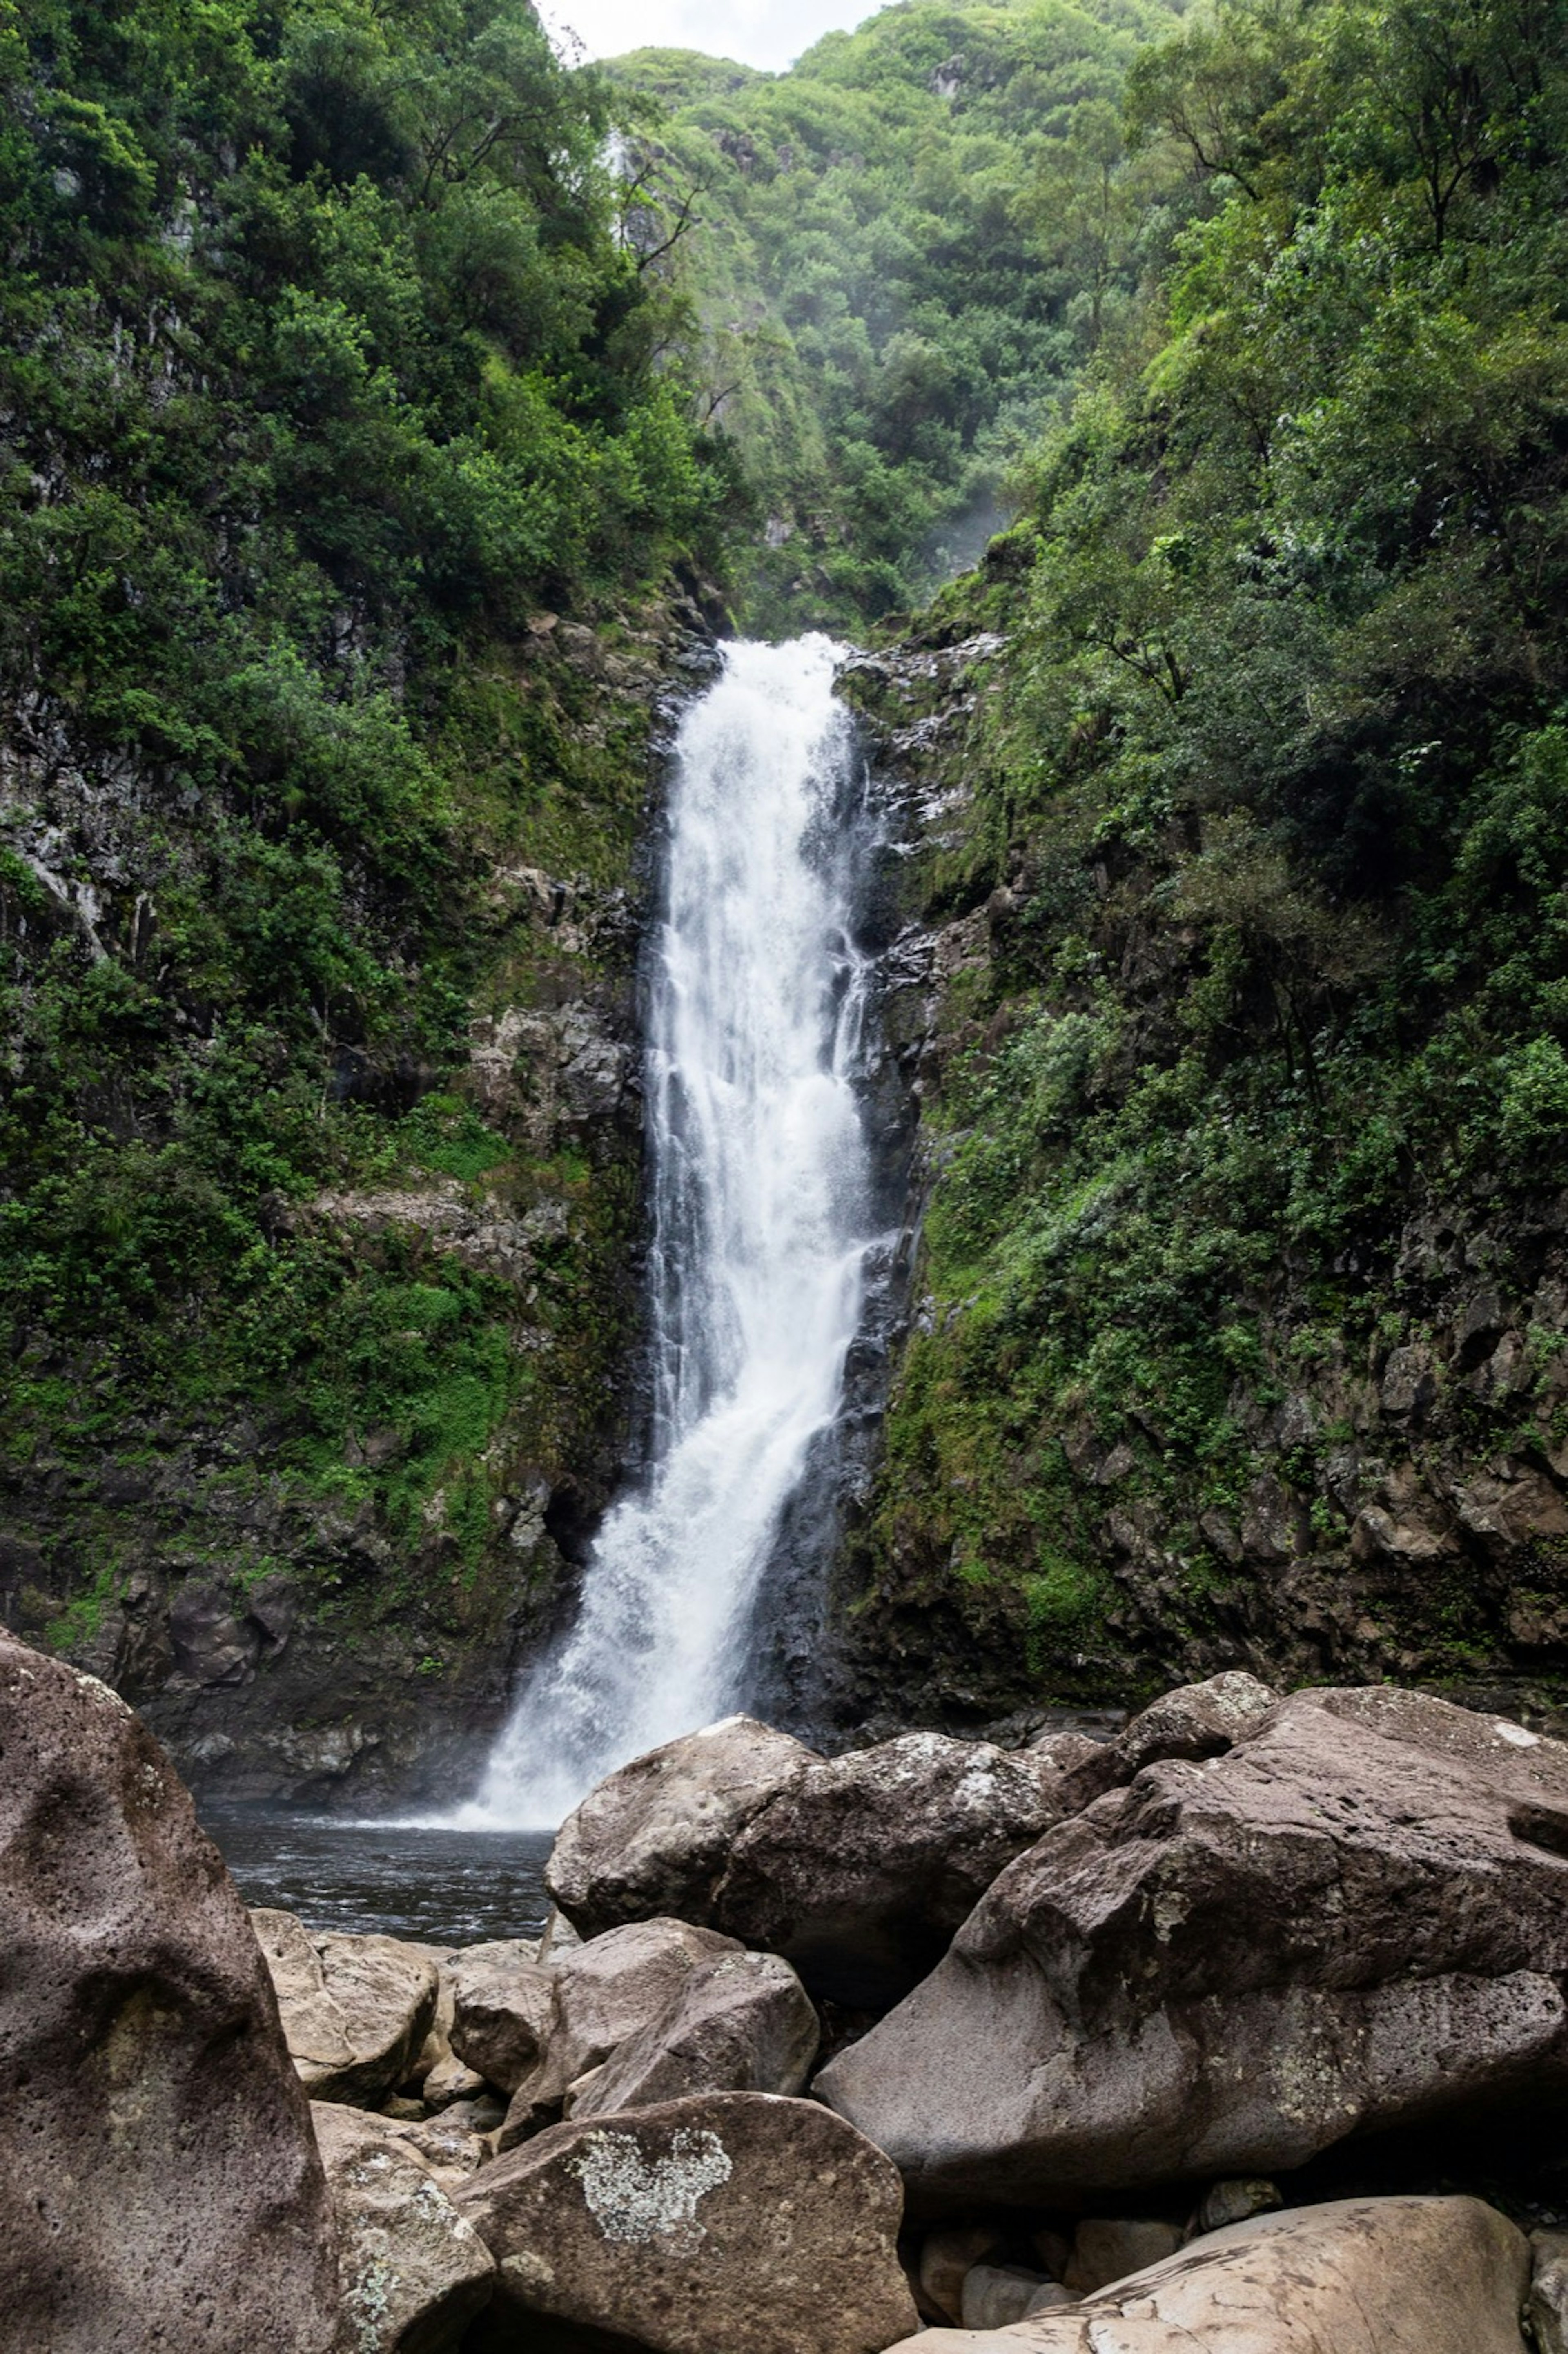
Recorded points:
761,1212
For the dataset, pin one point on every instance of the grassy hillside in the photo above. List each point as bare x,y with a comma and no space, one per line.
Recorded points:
1244,1331
900,252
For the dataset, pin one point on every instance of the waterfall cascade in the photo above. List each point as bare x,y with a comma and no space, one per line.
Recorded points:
760,1211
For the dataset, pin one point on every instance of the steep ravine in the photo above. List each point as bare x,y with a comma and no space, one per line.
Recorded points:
321,1629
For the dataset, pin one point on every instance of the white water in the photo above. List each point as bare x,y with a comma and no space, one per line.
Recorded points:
760,1219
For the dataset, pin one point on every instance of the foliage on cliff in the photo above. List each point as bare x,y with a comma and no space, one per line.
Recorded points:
901,252
1247,1314
327,380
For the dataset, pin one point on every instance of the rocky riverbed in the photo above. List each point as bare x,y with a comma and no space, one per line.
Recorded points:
1244,2030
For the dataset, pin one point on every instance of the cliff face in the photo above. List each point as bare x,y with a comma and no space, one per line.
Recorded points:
314,1576
1111,1461
346,472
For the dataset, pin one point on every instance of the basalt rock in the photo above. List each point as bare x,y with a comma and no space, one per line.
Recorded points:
731,2221
857,1870
1194,1721
159,2184
504,2008
738,2023
605,1993
862,1867
654,1838
1355,1919
1361,2277
413,2271
355,2011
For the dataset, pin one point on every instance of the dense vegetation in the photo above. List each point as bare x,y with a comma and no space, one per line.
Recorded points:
325,371
1259,1070
366,380
901,252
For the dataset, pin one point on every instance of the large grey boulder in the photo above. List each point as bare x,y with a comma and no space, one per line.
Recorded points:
355,2011
739,2023
1193,1721
1359,2277
1356,1918
604,1993
730,2222
413,2271
504,2009
861,1868
159,2183
654,1837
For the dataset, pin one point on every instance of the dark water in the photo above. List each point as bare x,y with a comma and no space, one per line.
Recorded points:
441,1887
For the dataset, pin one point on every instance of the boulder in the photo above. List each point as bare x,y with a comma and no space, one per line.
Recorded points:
948,2256
1547,2306
480,2116
653,1838
605,1992
504,2008
434,2058
733,2220
1360,2276
738,2023
355,2011
449,2079
1356,1918
159,2182
1065,1749
1194,1721
1233,2201
414,2271
862,1867
996,2295
451,2152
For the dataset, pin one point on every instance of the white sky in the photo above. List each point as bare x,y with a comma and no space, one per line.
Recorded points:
767,33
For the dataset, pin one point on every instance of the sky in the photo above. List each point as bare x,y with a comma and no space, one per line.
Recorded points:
767,33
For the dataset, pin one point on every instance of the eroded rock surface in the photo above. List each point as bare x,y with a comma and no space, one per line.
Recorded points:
504,2008
605,1992
355,2011
1359,2277
733,2220
857,1870
1194,1721
654,1838
862,1867
738,2023
159,2184
1357,1918
413,2271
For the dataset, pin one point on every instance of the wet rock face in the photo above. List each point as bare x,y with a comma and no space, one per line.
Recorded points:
287,1643
1357,1918
1362,2277
762,2226
159,2183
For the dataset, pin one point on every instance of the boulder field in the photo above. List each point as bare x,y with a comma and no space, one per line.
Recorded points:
1196,2040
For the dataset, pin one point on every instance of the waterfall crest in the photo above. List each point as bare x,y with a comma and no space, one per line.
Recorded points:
761,1213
